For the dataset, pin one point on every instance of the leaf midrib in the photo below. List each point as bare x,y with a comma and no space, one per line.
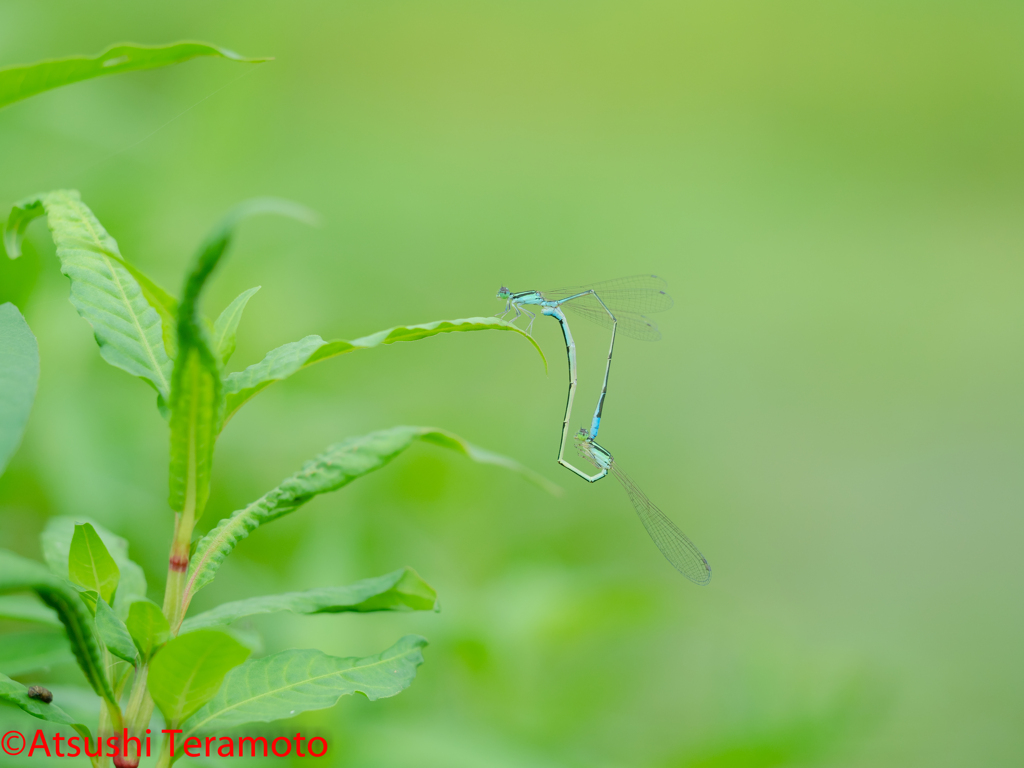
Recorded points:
220,712
240,395
92,564
75,205
207,556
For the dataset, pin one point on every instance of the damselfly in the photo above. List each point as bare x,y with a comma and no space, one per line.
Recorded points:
622,305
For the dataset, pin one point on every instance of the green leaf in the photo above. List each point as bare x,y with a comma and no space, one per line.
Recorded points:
90,597
196,393
195,407
23,652
226,327
24,608
19,376
280,363
186,673
148,627
18,573
126,327
335,468
17,694
250,638
20,82
56,542
402,590
114,634
165,305
90,565
286,683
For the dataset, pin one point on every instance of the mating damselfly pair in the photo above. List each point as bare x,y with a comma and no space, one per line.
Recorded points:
621,305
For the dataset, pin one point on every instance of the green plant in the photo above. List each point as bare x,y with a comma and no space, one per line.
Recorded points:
194,670
19,355
23,81
134,654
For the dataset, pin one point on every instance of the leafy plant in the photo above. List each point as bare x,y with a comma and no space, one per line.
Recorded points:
19,354
135,654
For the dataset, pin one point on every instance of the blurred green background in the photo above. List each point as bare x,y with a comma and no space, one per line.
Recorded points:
832,190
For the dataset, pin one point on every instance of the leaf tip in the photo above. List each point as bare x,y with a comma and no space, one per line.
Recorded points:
12,243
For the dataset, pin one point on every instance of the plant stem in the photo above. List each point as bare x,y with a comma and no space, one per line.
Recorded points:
140,706
103,730
111,721
110,724
135,712
177,564
164,761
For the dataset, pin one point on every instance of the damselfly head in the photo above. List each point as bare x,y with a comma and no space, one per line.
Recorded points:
504,293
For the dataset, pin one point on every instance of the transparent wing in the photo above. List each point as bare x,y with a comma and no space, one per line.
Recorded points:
673,543
639,294
630,324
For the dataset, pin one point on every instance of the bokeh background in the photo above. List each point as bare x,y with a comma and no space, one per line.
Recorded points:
832,190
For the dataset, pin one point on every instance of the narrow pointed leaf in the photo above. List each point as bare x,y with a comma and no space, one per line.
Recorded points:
194,416
127,329
56,543
24,608
280,363
18,574
114,634
225,329
20,82
90,565
19,377
197,404
15,693
186,673
23,652
148,627
294,681
335,468
165,305
402,590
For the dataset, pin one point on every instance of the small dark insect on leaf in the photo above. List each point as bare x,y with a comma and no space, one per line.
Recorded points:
38,692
